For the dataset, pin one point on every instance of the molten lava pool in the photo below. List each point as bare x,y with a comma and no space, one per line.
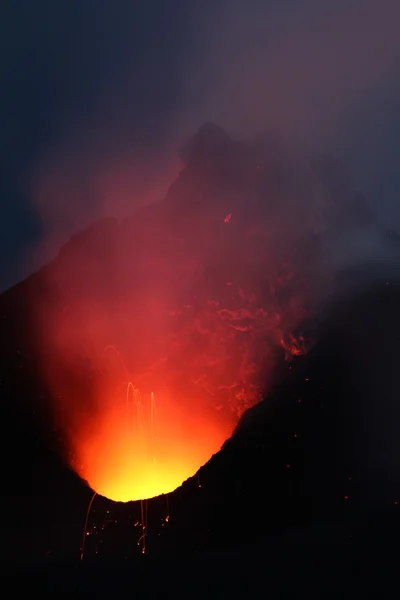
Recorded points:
139,449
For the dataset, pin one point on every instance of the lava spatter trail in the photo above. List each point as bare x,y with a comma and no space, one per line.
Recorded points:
137,427
85,531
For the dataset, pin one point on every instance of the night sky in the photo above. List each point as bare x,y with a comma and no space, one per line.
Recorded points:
96,97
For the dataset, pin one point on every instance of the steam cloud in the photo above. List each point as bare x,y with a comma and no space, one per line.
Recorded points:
314,72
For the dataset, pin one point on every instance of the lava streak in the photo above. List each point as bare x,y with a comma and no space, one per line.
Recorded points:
139,450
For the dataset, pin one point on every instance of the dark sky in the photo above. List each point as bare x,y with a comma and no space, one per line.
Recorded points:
97,94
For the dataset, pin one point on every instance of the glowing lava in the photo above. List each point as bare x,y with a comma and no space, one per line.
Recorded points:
135,454
197,303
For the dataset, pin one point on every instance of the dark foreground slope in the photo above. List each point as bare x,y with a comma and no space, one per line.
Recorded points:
276,570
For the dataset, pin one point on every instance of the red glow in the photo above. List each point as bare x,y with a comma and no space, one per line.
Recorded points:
197,312
206,367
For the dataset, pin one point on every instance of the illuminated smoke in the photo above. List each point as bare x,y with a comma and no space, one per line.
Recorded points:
195,300
199,301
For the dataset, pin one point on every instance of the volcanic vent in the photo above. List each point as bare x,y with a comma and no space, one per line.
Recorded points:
155,334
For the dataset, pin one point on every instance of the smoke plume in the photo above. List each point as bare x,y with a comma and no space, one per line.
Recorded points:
319,76
204,292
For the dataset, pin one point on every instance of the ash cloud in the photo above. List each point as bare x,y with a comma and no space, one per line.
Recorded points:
299,67
324,76
320,75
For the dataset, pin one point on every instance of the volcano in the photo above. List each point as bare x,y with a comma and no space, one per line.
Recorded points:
140,347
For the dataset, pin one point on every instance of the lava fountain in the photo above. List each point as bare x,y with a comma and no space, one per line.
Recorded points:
139,450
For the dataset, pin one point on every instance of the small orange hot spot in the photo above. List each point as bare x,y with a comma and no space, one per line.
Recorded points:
228,218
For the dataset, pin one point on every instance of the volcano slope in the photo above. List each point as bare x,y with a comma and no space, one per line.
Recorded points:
207,292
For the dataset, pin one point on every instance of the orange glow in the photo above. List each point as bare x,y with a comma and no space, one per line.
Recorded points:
131,455
183,301
206,367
